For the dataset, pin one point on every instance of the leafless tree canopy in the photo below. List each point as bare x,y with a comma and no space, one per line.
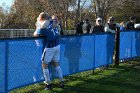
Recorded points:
23,13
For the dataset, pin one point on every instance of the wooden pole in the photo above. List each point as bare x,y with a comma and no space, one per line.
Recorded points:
117,53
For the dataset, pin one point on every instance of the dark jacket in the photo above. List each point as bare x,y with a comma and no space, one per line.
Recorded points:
98,28
130,26
79,29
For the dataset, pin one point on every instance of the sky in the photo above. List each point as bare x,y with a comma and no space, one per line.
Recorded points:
7,3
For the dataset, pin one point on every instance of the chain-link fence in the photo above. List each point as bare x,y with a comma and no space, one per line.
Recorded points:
21,64
21,57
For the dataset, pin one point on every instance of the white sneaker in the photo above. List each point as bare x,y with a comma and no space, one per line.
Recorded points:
45,82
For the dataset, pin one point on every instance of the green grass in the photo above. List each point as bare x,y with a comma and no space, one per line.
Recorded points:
122,79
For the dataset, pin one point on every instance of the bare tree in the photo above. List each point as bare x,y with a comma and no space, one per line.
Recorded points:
23,13
104,7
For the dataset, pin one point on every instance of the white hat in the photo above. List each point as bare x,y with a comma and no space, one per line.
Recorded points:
97,21
99,18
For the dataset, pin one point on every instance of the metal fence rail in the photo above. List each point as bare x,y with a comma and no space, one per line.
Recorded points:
14,33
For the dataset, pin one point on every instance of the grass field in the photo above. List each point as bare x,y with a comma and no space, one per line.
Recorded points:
122,79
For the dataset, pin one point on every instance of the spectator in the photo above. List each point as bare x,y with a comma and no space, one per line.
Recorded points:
79,29
130,25
111,26
61,32
122,26
137,26
98,26
51,51
86,26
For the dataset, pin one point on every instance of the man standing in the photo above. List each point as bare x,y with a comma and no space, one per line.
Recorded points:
79,29
110,25
98,28
130,25
58,24
51,51
86,26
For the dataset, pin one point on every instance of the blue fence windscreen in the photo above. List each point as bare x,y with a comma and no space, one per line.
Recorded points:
104,49
23,61
2,65
136,44
129,44
78,53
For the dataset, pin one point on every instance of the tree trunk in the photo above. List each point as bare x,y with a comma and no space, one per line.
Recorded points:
77,12
66,17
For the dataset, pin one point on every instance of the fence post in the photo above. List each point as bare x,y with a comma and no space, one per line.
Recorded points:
93,71
117,50
11,34
6,67
25,32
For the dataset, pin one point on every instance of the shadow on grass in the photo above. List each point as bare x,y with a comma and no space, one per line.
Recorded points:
122,79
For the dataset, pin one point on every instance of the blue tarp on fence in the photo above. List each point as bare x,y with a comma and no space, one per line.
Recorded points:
20,58
2,65
104,49
129,44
